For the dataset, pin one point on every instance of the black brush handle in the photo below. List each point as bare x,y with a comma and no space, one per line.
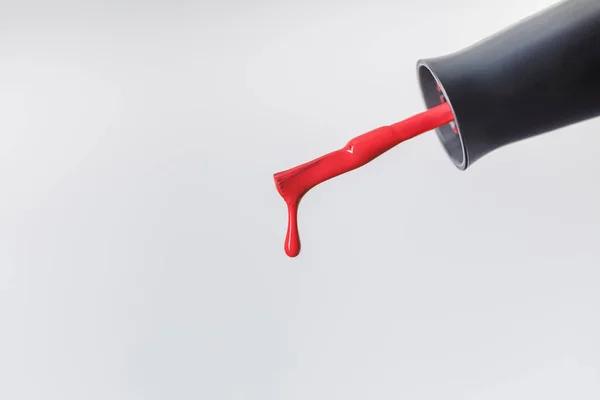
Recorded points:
541,74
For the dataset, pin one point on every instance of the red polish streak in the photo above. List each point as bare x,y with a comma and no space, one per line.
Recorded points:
294,183
454,128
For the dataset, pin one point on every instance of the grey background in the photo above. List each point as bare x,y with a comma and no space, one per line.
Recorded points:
141,235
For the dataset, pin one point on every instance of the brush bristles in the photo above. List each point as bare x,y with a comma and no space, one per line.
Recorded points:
280,179
286,180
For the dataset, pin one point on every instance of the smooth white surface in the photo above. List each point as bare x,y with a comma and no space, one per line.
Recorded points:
141,235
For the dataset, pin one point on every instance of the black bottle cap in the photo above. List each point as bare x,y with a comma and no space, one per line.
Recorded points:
539,75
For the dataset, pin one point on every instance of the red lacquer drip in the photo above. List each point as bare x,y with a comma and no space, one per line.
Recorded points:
294,183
